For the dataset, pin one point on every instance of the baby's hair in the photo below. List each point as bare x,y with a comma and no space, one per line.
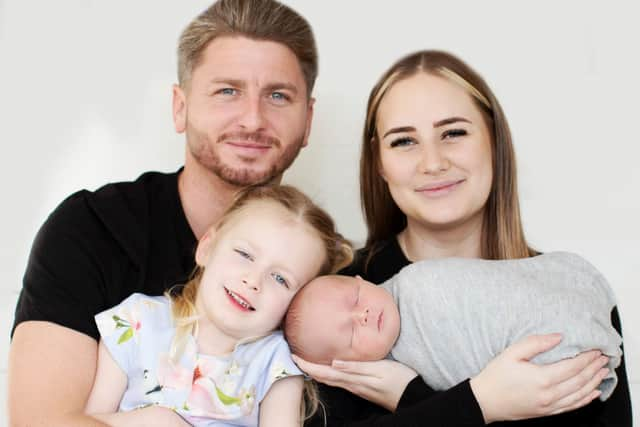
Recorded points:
338,254
292,324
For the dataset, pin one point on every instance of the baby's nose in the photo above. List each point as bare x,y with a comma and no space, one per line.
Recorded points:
364,317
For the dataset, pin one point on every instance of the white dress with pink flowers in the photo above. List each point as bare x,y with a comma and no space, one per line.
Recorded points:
204,390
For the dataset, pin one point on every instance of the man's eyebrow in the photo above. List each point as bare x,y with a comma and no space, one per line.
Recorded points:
400,129
229,81
273,87
449,121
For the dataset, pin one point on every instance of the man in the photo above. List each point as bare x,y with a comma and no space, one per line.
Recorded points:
246,71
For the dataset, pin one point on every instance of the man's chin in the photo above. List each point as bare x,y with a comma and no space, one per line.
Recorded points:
245,178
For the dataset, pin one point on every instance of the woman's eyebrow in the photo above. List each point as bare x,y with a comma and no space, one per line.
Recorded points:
449,121
400,129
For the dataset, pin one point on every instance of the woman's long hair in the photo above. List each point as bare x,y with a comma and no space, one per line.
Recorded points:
502,231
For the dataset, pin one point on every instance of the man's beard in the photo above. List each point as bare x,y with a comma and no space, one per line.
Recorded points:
245,176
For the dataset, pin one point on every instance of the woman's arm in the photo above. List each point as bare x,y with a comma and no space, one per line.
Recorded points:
281,405
458,406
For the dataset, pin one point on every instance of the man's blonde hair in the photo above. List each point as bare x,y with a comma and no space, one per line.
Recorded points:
266,20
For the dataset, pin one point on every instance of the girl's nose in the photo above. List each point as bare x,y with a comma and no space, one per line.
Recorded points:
251,282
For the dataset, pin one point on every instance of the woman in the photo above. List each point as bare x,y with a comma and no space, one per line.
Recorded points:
438,179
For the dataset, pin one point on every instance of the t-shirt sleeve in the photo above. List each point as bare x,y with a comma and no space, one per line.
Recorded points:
278,366
121,328
65,272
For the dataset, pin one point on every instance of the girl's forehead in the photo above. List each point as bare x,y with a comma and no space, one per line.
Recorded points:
259,211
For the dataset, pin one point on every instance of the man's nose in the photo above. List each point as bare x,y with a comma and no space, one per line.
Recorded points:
252,118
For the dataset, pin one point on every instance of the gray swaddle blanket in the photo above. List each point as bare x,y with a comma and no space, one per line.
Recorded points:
458,314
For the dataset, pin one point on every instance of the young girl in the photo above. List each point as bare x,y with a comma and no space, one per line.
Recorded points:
213,351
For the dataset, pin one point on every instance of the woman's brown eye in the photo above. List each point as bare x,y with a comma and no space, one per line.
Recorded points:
401,142
452,133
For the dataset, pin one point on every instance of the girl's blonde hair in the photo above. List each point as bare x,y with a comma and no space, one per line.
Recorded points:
338,254
502,232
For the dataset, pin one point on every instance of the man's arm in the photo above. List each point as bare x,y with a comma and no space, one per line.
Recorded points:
51,372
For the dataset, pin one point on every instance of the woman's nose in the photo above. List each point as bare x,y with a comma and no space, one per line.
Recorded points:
433,160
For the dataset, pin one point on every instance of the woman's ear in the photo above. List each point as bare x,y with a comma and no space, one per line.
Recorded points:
204,247
379,167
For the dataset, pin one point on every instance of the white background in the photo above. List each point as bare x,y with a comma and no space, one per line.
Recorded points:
85,99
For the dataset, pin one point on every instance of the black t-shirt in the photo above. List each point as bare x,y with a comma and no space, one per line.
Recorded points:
422,406
97,248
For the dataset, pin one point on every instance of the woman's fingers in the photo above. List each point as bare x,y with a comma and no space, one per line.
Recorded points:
577,392
582,367
528,347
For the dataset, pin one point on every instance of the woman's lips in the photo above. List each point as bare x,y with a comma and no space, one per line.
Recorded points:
441,188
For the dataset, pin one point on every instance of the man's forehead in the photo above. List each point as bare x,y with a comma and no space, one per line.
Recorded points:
246,59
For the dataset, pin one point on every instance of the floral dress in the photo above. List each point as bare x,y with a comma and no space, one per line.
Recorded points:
205,390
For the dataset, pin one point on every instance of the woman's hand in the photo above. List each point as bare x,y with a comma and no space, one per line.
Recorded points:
381,382
512,388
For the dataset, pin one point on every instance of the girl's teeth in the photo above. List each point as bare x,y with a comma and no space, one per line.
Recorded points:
238,300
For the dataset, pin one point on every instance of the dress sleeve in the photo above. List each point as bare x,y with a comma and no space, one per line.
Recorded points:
121,328
279,365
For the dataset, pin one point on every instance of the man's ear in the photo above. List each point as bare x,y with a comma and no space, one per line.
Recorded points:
307,130
204,247
179,107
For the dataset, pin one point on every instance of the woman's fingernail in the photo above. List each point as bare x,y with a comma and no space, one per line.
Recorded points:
604,360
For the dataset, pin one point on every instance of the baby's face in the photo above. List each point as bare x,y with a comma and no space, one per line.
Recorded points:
348,318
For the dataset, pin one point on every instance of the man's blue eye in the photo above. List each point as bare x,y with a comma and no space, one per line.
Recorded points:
228,91
278,96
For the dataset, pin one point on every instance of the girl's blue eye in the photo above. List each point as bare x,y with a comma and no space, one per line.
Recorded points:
281,280
401,142
243,254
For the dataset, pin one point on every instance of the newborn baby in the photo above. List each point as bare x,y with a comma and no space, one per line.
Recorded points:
457,315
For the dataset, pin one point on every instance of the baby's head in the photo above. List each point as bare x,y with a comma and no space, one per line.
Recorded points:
341,317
